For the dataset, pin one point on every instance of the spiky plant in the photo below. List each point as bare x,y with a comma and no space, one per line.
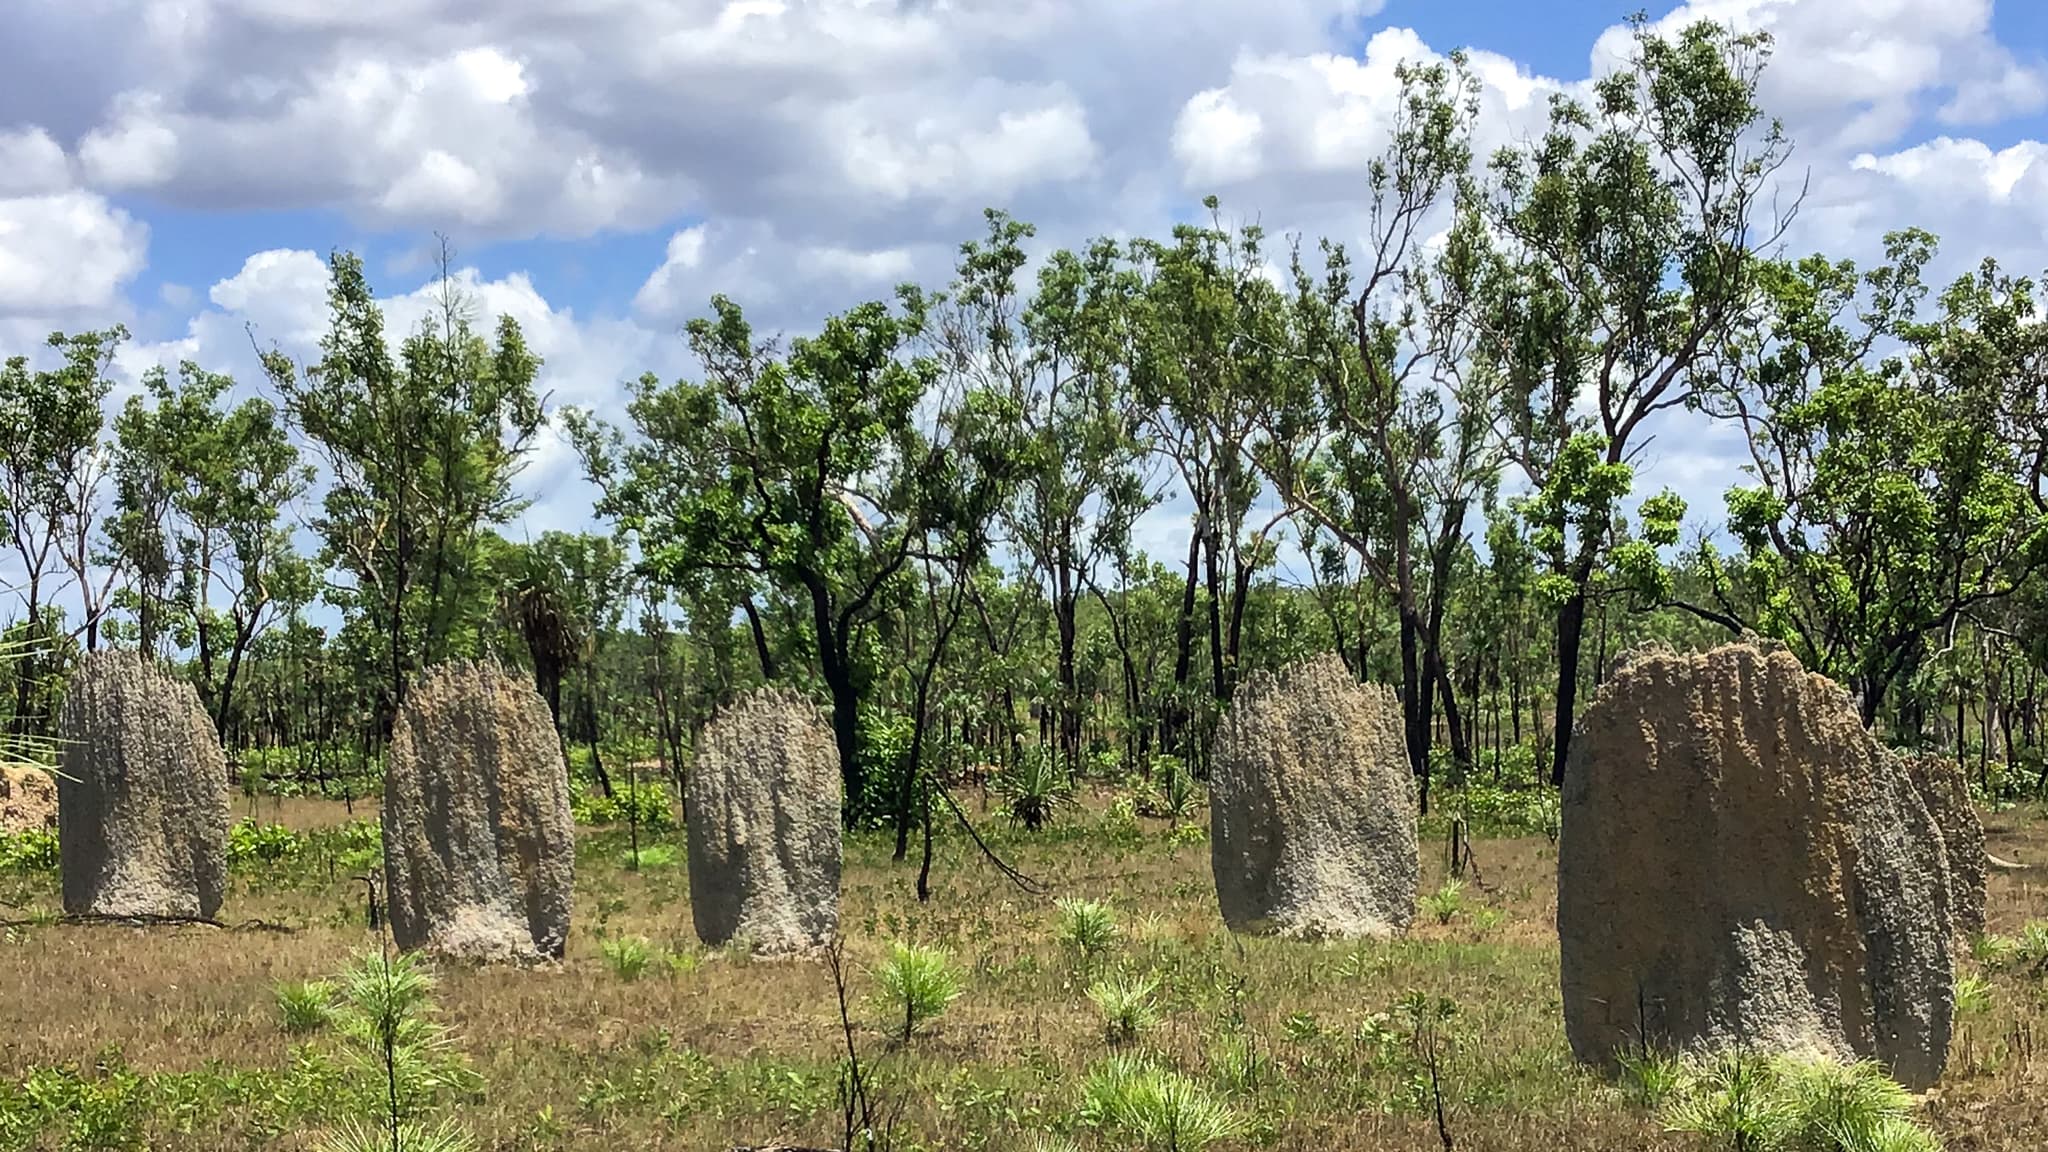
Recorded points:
1735,1102
402,1059
1125,1002
306,1006
1032,789
1087,928
627,956
1154,1107
915,984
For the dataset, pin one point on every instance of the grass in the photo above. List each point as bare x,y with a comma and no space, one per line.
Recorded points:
171,1039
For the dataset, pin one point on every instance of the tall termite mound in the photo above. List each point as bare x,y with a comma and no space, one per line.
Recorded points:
1313,807
142,793
764,810
1742,865
479,845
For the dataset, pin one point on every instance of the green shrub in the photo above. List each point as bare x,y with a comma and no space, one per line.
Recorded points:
31,851
1125,1003
649,798
1446,902
1087,928
652,857
627,956
1032,788
915,984
1793,1104
306,1006
249,841
1135,1101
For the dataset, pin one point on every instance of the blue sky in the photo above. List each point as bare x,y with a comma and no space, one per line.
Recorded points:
604,167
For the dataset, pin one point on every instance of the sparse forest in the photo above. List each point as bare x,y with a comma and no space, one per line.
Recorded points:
1021,537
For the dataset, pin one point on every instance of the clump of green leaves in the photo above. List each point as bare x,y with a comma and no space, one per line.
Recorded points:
1446,902
1033,789
915,984
1125,1004
305,1006
627,956
1973,995
1156,1108
1174,795
267,843
400,1059
32,851
1751,1103
1087,928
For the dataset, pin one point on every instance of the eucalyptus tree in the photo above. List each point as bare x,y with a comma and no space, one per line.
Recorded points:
200,492
1629,230
818,473
1888,502
1206,352
1386,439
421,450
1059,359
52,460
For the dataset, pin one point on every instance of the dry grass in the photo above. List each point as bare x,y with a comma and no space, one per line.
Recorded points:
736,1052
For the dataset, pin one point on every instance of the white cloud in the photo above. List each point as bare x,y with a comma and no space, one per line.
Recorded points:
32,164
66,252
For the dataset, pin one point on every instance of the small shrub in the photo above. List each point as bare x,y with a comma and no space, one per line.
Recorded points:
1174,796
1120,821
1182,835
1446,902
1032,789
267,843
1973,995
1125,1003
306,1006
31,851
916,984
1992,950
1086,928
627,956
1764,1104
1649,1079
1139,1102
2030,949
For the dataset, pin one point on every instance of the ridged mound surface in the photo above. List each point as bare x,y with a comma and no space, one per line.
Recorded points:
142,793
479,844
1741,864
1312,807
763,824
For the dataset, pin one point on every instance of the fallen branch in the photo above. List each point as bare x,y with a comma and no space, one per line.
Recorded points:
153,921
2003,865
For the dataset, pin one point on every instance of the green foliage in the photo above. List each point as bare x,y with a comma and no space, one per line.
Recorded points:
627,956
1648,1079
305,1006
1136,1101
1753,1103
1446,902
649,800
1125,1004
1086,928
915,984
399,1061
652,857
31,851
249,841
1032,788
1174,795
1973,995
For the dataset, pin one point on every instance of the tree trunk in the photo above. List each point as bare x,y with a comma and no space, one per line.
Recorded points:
1174,717
1571,628
760,635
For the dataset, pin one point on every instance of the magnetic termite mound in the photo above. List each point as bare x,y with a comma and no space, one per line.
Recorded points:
142,793
479,844
1741,865
1313,807
763,825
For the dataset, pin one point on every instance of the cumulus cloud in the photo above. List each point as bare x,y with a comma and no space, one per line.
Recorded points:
66,253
